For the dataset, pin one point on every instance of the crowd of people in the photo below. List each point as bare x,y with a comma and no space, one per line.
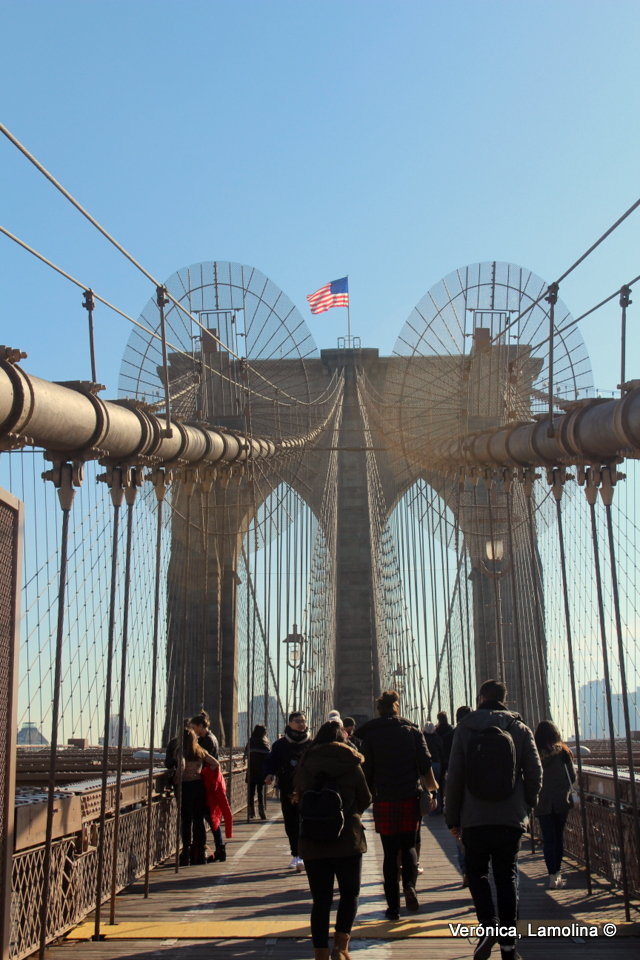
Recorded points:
487,776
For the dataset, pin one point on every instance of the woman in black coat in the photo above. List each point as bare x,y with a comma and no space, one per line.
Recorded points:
554,802
327,861
255,752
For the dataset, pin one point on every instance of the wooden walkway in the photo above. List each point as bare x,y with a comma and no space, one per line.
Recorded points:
254,907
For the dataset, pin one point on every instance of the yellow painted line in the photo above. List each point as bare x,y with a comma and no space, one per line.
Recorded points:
259,929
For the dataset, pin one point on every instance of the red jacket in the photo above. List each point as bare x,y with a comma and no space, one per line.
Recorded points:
217,799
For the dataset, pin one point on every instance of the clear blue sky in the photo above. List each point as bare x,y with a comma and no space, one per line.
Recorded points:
390,141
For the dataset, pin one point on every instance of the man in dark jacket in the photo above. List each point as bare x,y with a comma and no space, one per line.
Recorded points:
281,762
491,829
395,755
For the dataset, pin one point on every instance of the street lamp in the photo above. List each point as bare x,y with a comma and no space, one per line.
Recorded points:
295,655
495,554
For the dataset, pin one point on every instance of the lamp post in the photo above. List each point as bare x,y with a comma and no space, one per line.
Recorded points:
295,656
495,554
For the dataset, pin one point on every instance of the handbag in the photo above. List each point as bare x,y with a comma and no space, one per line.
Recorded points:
574,796
428,785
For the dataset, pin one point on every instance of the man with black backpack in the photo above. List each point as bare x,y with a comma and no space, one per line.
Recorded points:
493,781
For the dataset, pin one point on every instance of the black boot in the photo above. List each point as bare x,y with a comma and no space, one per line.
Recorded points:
221,853
185,859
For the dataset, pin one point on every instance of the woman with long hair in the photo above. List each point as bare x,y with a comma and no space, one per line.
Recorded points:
396,757
255,753
329,758
554,802
193,806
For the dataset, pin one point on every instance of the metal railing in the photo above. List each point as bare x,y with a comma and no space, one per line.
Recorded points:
602,833
74,862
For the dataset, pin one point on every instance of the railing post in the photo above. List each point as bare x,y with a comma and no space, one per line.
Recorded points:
11,535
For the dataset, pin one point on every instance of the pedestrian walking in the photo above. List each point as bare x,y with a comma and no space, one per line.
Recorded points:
255,753
396,756
446,742
281,762
494,779
556,796
349,725
435,748
333,841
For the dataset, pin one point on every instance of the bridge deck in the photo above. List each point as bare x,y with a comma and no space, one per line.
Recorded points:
253,907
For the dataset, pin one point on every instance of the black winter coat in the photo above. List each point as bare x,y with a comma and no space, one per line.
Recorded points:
343,764
283,760
256,752
434,746
394,755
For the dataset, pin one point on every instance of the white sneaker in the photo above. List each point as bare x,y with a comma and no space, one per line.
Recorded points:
299,864
420,869
294,863
559,881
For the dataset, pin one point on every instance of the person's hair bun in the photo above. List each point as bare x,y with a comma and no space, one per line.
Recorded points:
388,702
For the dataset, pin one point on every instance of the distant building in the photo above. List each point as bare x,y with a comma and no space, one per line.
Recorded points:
30,736
114,721
594,717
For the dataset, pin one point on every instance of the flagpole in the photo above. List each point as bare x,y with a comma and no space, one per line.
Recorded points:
348,314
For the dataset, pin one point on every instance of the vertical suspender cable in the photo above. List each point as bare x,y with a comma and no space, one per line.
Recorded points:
552,299
117,496
89,304
162,300
66,495
537,600
160,488
625,302
572,676
187,486
514,597
130,496
623,672
592,493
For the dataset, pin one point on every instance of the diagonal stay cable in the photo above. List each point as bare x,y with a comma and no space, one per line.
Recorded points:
573,266
105,233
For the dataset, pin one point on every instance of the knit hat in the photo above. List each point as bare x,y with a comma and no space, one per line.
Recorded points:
334,715
429,727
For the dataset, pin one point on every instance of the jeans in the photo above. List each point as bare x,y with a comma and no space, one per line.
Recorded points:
500,846
406,844
320,874
217,837
192,813
291,816
552,828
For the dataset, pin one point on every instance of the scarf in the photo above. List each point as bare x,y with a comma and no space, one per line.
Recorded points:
296,736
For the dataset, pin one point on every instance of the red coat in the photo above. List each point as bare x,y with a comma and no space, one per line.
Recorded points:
217,799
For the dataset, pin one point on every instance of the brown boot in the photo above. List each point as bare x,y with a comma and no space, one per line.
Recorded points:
340,946
321,953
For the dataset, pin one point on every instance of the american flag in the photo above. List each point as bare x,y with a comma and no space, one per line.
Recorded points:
334,294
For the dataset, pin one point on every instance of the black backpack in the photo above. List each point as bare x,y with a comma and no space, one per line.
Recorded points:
321,813
491,767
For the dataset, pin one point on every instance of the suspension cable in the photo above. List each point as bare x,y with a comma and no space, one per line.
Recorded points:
85,213
577,263
574,695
